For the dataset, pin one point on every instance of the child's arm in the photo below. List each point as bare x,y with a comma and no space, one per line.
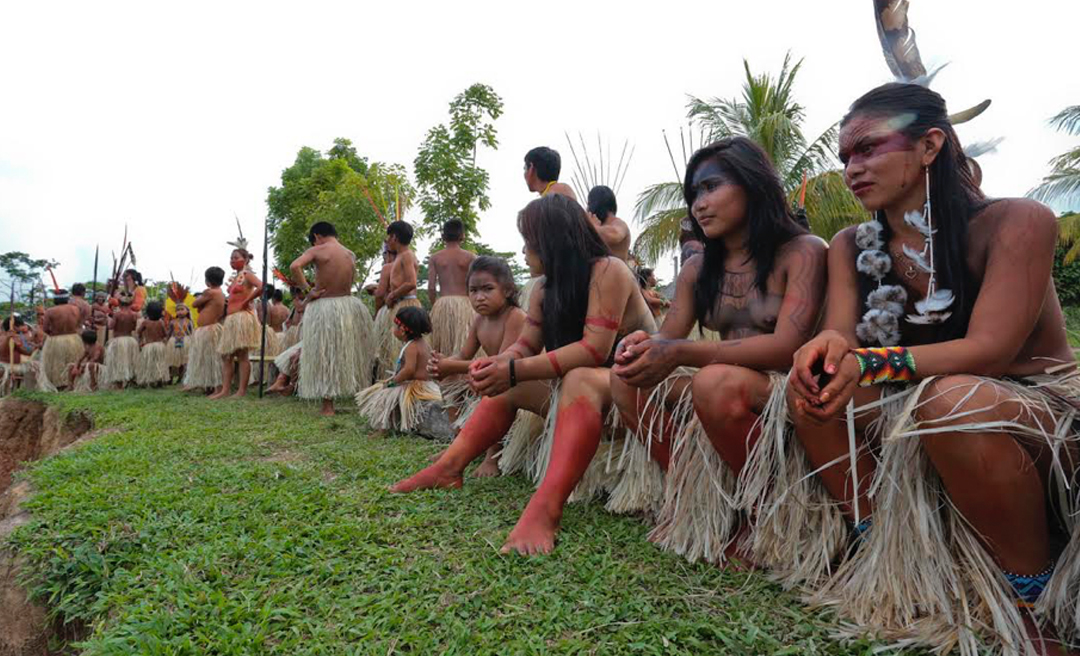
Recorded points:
512,332
472,342
441,367
408,367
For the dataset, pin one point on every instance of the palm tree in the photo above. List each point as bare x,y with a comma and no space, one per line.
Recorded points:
767,113
1063,183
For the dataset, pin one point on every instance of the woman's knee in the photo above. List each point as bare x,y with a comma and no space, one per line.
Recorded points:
949,396
722,393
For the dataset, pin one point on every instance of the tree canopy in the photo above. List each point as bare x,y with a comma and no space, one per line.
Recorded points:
359,198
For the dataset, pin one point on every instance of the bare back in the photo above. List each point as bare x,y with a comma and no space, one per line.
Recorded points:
278,315
450,272
616,234
63,320
151,331
403,274
335,268
124,322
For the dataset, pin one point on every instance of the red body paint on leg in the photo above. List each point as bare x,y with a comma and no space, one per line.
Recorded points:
577,436
487,425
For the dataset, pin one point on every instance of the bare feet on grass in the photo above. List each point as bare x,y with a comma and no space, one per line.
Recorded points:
487,469
535,532
429,478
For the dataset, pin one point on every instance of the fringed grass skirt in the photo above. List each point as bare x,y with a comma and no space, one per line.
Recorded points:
397,408
240,332
336,358
204,363
290,337
27,369
91,377
451,319
122,359
176,351
288,361
57,355
153,368
922,576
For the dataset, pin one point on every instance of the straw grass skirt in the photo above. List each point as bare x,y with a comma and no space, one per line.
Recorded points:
240,332
451,319
121,359
90,379
290,337
400,407
59,352
176,351
153,368
204,363
288,361
921,576
387,346
336,358
27,370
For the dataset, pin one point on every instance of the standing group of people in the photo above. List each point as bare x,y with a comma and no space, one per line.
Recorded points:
886,423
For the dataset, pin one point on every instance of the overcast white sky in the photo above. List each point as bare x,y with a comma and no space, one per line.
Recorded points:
171,117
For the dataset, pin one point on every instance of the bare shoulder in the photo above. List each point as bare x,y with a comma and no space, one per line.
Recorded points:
612,266
843,242
1012,218
438,256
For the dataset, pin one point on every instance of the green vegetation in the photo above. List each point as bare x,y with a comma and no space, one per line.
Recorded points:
257,527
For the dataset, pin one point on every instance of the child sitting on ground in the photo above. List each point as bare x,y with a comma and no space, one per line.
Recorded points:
398,403
83,376
153,369
493,295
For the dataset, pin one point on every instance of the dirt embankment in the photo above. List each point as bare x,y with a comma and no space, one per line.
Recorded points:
29,431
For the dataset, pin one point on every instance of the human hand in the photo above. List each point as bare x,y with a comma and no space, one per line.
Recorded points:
490,377
433,365
649,362
624,354
835,395
815,363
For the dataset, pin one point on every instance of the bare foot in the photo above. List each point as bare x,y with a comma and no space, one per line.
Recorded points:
327,408
534,534
487,469
428,478
239,395
1044,641
217,395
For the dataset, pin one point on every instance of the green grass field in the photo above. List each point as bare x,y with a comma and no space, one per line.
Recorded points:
257,527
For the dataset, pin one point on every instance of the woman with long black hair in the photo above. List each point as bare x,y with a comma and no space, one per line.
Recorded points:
760,283
587,301
938,403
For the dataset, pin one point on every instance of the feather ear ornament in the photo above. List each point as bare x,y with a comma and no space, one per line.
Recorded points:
935,307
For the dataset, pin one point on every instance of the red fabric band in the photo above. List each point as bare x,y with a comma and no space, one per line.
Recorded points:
554,364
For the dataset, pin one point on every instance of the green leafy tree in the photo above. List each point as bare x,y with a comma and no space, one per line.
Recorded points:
22,274
1063,182
450,184
768,113
341,188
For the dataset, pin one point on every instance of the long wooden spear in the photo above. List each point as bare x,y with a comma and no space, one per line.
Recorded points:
265,312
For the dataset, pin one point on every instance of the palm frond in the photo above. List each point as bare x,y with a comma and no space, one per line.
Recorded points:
1067,120
1060,186
1069,235
830,205
658,198
660,235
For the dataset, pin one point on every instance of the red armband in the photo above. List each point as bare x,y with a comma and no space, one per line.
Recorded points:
554,363
602,322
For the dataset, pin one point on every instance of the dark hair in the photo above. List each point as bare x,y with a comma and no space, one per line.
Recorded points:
89,336
78,289
403,231
453,230
244,253
954,195
556,228
602,202
500,271
154,310
8,321
135,275
215,276
321,229
768,219
415,321
545,161
268,290
279,295
643,276
61,299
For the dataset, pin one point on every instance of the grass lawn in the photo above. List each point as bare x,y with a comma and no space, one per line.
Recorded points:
257,527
